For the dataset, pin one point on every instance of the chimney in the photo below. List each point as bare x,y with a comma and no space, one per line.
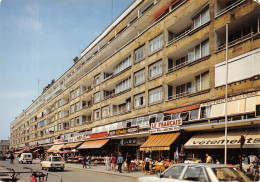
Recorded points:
75,59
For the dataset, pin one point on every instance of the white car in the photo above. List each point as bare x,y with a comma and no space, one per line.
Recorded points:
198,172
53,162
25,158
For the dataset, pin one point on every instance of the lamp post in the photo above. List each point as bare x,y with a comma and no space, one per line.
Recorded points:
226,101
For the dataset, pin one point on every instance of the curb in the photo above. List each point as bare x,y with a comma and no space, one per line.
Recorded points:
93,170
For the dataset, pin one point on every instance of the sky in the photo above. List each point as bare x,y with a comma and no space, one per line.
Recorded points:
38,41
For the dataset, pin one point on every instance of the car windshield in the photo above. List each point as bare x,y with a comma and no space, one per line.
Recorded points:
56,158
230,174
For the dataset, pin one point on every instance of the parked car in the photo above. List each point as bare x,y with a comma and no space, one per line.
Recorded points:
53,162
198,172
193,160
25,158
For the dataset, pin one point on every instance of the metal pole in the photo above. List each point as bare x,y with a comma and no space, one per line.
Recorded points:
226,102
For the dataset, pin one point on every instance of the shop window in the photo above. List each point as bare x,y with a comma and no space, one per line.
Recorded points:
184,116
205,112
167,117
134,122
152,118
194,114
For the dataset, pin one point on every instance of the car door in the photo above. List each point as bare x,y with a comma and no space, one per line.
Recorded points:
195,173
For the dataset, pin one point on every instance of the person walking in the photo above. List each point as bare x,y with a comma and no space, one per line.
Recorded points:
209,158
89,161
128,162
84,161
113,162
120,162
11,158
107,163
147,163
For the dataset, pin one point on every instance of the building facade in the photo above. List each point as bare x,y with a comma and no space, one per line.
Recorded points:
4,146
159,68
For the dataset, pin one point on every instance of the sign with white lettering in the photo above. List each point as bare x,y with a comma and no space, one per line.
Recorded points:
162,130
169,123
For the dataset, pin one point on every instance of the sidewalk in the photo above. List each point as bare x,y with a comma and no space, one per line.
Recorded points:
101,169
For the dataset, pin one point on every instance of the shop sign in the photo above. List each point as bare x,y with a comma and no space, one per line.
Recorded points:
169,123
58,141
129,141
134,129
238,97
168,129
95,135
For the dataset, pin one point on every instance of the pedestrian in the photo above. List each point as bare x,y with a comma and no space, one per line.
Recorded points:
120,162
208,158
128,162
147,163
107,163
252,159
84,161
11,158
244,159
217,161
89,161
113,162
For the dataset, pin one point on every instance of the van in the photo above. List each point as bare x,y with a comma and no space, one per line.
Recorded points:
25,158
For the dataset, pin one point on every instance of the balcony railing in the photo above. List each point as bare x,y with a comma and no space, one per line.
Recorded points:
228,8
124,111
179,66
184,34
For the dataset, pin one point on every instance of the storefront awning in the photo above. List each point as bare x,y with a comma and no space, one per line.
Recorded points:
93,144
55,148
71,145
217,140
159,142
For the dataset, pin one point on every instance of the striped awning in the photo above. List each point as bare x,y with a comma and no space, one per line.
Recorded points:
55,148
71,145
93,144
159,142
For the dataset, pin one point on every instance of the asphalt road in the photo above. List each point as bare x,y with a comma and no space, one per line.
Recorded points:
68,175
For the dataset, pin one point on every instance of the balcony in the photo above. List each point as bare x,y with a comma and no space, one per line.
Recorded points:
121,107
58,89
188,85
223,6
239,31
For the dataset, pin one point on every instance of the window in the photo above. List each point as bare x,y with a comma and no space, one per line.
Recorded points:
195,174
124,85
140,54
202,18
139,100
77,91
173,172
77,121
59,115
155,69
183,89
155,95
97,114
72,123
194,114
72,96
105,112
155,44
199,51
122,65
205,112
202,81
59,103
139,77
56,116
97,97
97,80
72,107
77,106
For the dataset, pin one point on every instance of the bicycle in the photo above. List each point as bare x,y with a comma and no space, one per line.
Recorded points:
38,176
15,176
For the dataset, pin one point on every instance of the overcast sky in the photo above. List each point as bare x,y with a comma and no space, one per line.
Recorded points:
38,41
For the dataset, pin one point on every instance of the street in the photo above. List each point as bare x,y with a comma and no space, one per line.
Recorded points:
68,175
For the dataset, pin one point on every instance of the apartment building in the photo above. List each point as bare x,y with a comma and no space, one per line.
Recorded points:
4,146
157,73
